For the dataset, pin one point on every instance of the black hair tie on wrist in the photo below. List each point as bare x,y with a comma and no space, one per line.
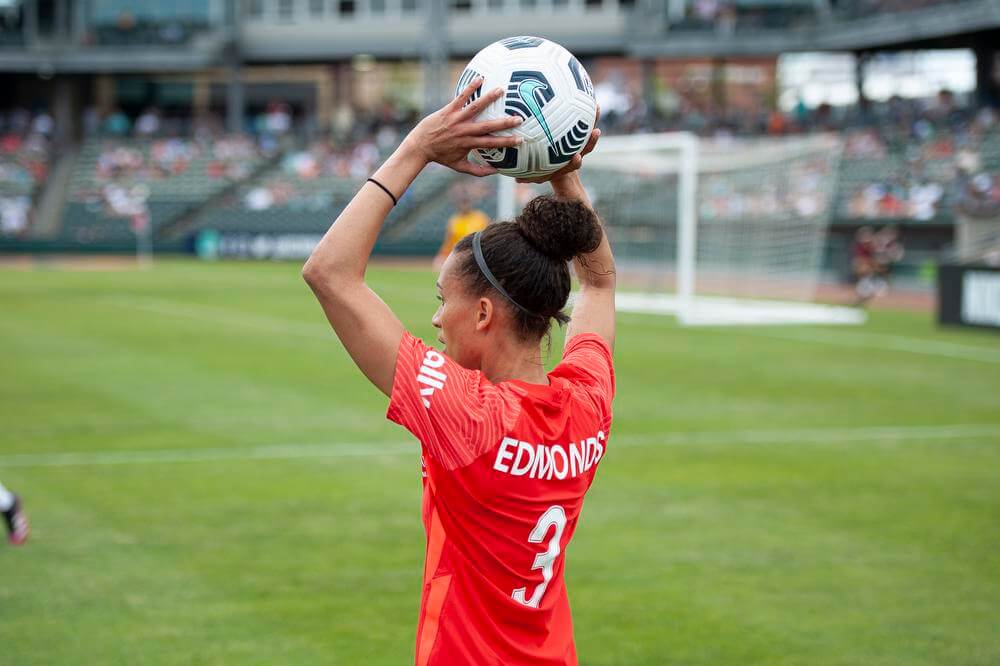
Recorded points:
384,189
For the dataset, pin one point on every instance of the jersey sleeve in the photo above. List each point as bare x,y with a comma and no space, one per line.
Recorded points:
587,363
456,413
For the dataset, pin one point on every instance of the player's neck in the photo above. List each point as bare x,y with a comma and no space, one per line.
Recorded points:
509,361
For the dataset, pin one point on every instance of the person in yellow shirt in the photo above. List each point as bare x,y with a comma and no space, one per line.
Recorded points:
467,220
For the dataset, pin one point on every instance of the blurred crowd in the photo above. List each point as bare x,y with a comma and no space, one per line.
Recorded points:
352,148
126,172
623,111
921,168
154,147
923,155
224,156
798,190
922,159
25,145
323,160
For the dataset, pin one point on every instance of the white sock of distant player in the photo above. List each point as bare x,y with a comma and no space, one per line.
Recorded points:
6,498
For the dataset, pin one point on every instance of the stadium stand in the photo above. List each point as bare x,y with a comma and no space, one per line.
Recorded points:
897,176
306,189
116,181
904,163
24,164
139,74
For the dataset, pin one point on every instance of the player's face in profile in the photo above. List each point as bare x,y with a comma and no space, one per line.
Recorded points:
456,316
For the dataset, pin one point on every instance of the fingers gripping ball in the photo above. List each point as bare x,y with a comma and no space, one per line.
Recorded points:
547,87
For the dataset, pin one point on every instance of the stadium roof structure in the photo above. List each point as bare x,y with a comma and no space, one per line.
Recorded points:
933,26
643,30
208,51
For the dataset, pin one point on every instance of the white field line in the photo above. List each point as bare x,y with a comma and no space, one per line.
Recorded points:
817,435
271,452
394,448
889,342
223,316
843,338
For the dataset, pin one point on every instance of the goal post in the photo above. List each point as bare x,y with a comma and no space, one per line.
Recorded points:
715,232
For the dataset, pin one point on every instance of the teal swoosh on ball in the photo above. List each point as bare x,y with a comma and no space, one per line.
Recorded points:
526,89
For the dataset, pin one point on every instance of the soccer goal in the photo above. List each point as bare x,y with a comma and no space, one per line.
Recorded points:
715,232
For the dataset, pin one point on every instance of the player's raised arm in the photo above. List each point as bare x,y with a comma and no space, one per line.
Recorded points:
336,269
594,308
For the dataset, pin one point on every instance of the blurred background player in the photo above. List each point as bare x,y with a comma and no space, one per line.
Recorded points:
888,252
466,220
14,516
863,265
873,256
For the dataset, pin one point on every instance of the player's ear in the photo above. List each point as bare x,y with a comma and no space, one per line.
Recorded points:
484,313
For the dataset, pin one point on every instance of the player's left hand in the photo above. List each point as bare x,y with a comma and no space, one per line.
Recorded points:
447,135
577,161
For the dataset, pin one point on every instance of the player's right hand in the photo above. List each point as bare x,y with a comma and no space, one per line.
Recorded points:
447,135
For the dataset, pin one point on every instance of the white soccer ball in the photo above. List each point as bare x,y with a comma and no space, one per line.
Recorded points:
547,87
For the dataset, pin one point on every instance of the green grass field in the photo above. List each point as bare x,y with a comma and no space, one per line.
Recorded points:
210,481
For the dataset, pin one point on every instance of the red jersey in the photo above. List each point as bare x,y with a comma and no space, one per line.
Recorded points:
506,467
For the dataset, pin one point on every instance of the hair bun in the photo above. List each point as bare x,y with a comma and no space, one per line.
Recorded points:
559,228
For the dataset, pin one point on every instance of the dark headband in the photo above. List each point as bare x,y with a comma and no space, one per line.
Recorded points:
477,252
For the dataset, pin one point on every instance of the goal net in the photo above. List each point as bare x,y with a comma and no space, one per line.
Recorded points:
715,232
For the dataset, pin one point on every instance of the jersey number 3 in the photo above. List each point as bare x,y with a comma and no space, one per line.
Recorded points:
553,516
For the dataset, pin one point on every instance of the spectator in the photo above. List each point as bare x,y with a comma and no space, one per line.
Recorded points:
14,213
117,123
980,195
277,119
91,121
43,124
148,124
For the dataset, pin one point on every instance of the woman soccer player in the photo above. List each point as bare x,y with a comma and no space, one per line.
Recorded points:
508,450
